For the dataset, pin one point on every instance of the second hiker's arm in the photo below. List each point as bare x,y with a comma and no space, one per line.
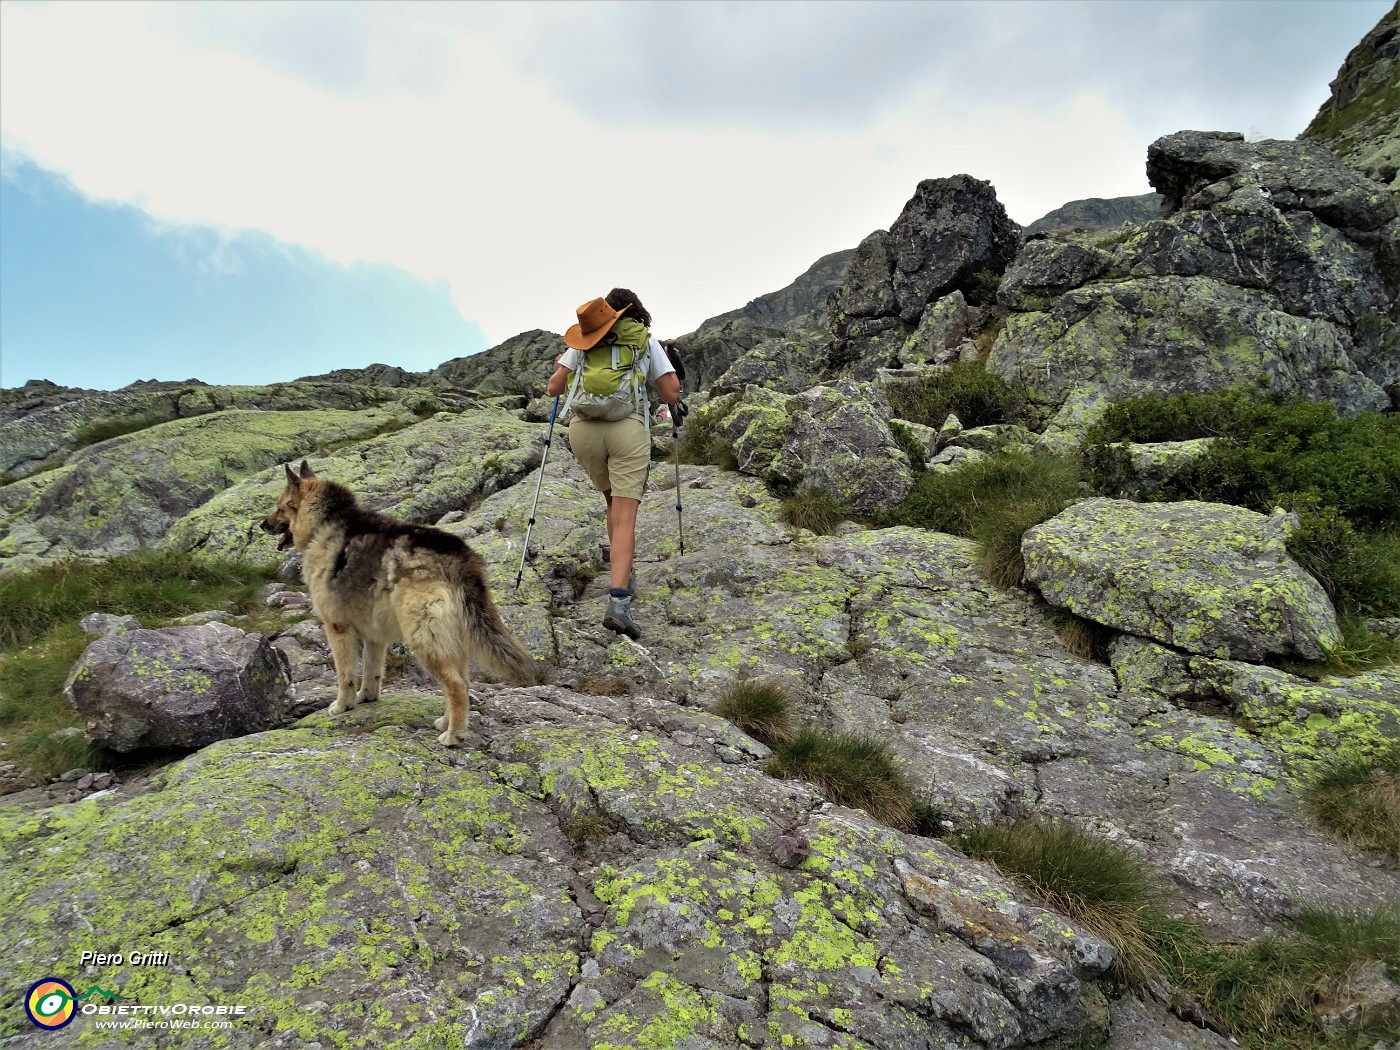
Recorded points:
668,386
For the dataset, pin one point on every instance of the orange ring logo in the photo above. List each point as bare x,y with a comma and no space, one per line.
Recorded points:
51,1003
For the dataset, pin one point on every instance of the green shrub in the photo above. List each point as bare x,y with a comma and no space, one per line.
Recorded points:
993,501
703,442
1360,572
975,395
1270,452
761,709
850,769
1358,800
910,445
1093,882
812,508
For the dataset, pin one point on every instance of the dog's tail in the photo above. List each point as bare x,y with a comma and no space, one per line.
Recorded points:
492,643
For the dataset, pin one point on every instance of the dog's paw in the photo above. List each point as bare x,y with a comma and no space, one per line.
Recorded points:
441,723
452,739
338,708
367,699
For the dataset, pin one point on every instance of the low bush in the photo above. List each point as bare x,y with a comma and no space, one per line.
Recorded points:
761,709
812,508
851,769
968,390
703,442
1358,800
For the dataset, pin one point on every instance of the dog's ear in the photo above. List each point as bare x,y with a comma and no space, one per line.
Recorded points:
306,471
292,479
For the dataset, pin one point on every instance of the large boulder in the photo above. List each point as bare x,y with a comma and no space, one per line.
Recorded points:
953,235
179,687
1203,577
520,366
836,437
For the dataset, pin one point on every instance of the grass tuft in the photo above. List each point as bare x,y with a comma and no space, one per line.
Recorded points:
968,390
851,769
1358,800
1084,638
812,508
604,685
761,709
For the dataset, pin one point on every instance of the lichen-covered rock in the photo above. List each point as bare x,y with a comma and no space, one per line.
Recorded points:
1044,270
125,493
354,878
417,474
837,437
1097,215
1204,577
521,365
942,330
178,687
953,235
1170,335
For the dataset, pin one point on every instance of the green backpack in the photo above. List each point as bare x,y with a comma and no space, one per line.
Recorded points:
612,382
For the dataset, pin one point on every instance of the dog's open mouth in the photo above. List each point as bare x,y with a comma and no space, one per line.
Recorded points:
283,532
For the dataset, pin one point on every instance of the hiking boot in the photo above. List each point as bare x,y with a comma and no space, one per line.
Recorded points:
618,618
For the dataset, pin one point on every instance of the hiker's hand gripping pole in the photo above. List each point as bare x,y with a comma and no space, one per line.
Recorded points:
548,438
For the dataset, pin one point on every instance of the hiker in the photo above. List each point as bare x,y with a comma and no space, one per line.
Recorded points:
612,355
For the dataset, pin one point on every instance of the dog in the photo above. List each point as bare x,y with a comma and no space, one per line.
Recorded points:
381,581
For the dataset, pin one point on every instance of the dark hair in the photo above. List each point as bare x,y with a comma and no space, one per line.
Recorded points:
625,299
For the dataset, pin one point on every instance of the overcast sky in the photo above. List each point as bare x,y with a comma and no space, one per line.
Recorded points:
248,192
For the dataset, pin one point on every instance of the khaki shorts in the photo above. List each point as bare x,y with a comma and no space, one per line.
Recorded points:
614,452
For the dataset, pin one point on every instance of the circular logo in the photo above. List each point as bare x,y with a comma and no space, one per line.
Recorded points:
50,1003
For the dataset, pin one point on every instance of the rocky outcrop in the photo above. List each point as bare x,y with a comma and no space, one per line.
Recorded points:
835,437
179,687
520,366
1360,122
953,235
1273,269
1203,577
1096,215
771,327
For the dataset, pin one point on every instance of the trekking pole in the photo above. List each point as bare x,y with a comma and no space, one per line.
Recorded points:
549,436
676,444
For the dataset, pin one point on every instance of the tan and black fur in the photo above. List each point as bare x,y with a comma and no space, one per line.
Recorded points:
381,581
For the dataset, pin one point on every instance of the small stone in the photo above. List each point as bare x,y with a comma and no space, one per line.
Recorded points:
596,919
790,850
72,775
85,782
103,781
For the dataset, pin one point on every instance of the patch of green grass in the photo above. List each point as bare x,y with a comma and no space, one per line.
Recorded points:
967,390
1358,800
812,508
851,769
39,633
1269,991
153,586
1094,883
703,441
993,501
761,709
910,445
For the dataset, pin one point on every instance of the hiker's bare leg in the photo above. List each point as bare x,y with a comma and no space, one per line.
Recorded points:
622,537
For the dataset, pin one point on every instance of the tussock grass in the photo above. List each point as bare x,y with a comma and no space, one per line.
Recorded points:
604,685
761,709
1095,883
851,769
1358,800
39,633
1267,992
585,828
993,501
812,508
703,442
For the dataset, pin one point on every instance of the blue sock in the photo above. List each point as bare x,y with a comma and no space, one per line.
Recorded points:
619,592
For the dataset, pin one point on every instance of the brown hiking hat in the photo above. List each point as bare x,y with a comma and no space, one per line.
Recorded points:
595,320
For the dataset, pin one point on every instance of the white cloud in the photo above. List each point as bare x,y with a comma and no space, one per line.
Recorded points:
442,139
